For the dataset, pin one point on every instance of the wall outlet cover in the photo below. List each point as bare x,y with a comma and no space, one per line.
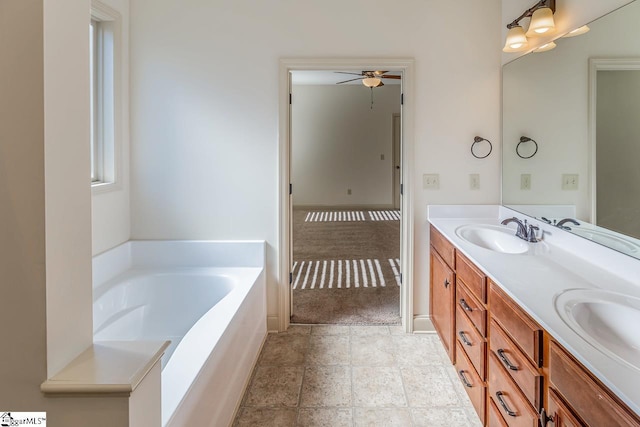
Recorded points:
525,181
431,181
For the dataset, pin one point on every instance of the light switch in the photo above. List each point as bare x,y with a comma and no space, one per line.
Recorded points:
525,181
474,181
569,182
431,181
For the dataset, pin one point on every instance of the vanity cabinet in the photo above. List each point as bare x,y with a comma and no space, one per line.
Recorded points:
442,291
579,398
459,314
513,371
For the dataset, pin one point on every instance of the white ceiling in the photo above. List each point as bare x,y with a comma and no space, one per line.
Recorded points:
308,77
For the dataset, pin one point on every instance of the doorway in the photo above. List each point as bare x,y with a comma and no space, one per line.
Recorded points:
346,230
286,262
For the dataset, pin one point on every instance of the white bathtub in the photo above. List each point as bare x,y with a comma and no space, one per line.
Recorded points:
207,298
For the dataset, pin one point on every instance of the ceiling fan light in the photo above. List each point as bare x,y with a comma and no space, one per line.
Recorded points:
371,82
516,40
541,22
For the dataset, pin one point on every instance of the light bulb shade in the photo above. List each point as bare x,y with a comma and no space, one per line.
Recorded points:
541,22
545,47
516,40
577,31
371,82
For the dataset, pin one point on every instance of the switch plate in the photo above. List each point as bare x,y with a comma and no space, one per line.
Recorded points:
474,181
348,191
431,181
570,181
525,181
381,156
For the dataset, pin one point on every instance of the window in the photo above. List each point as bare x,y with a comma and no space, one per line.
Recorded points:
104,96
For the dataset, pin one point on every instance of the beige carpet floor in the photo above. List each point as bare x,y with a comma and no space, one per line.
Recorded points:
346,267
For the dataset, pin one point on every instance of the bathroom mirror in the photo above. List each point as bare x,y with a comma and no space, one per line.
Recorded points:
580,104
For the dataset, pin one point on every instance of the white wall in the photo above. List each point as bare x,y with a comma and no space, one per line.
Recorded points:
111,213
22,233
618,151
570,14
337,144
546,98
205,107
67,177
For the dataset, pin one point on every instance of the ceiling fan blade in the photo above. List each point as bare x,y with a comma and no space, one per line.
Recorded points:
391,77
344,72
347,81
379,73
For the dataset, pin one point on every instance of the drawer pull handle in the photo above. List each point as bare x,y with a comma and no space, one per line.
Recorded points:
504,404
506,361
545,419
464,305
464,339
446,283
464,379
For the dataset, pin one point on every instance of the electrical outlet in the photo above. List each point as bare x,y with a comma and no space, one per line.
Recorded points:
431,181
570,181
525,181
474,181
348,191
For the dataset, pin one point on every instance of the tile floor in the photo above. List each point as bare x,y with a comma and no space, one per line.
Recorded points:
335,375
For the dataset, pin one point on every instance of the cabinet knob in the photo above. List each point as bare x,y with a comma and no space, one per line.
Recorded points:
446,283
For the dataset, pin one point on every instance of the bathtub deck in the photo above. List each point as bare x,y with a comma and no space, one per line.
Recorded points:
354,375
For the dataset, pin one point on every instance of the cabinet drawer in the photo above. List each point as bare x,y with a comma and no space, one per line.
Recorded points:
443,246
471,342
495,418
528,378
561,414
517,324
473,278
589,399
472,383
512,405
474,310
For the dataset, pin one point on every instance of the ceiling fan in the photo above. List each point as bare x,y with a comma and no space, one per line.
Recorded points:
369,78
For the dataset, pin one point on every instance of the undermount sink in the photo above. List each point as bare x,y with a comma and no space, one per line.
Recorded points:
606,320
493,237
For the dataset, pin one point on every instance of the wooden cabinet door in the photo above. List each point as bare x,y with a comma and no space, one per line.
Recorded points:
442,302
559,413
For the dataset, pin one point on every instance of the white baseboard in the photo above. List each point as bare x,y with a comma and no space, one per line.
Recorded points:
273,324
422,324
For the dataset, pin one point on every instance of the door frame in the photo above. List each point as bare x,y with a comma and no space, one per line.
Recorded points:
284,252
395,189
595,65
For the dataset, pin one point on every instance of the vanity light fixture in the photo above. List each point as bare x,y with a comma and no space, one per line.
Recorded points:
545,47
541,23
577,32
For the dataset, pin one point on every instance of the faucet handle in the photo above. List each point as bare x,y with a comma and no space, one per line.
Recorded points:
532,233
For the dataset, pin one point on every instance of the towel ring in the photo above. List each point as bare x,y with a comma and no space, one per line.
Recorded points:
526,139
476,140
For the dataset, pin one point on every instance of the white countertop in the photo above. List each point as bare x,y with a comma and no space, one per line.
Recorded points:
533,280
107,367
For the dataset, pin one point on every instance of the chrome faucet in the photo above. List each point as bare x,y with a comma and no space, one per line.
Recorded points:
528,234
562,222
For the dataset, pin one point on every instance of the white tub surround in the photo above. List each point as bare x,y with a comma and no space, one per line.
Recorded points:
207,298
535,280
109,384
